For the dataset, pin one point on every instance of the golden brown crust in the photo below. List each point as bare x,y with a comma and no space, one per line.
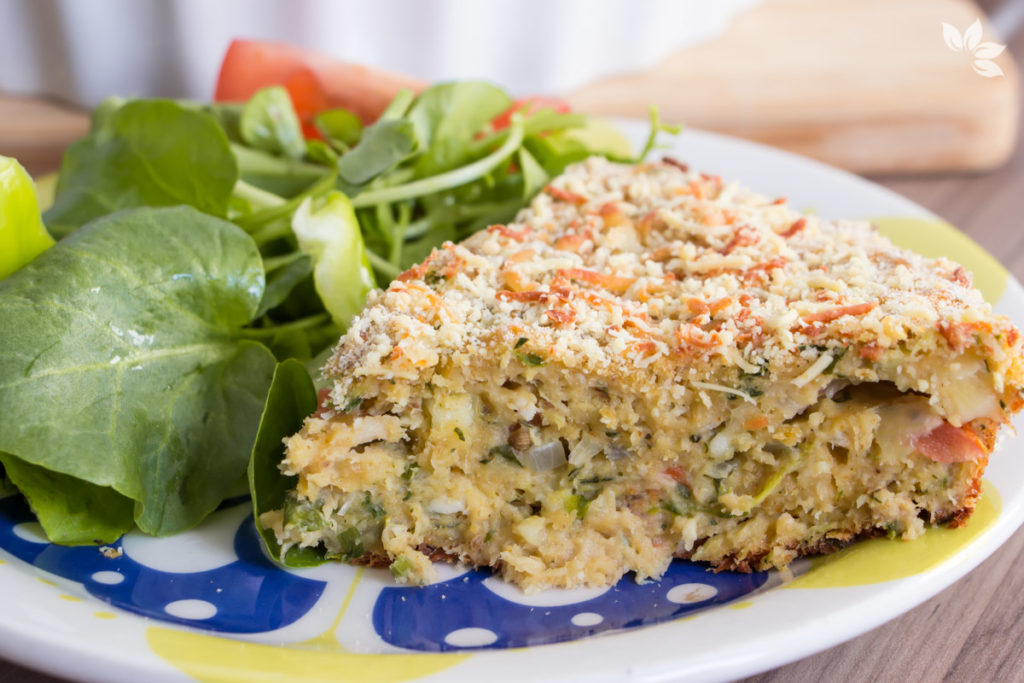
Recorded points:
663,363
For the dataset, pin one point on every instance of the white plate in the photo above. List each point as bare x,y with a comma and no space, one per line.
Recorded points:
207,605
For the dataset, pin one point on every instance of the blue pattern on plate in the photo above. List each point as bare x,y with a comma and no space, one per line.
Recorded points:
421,618
250,594
253,595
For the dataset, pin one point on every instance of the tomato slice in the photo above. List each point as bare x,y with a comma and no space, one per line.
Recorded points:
949,444
314,81
529,105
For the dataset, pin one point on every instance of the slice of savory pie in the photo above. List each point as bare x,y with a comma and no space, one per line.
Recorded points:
650,363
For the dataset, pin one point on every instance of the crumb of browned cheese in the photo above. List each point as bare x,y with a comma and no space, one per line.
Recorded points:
111,553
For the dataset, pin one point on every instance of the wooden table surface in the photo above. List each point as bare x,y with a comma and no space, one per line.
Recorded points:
974,630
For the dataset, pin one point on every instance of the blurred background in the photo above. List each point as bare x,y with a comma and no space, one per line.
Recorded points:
869,85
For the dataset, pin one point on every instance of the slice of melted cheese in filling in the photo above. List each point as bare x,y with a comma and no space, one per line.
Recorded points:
647,364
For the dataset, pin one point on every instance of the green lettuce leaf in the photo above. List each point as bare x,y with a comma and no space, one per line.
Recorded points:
146,153
292,398
327,230
71,511
269,123
447,118
122,361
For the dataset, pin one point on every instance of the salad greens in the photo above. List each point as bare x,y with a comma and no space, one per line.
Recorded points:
203,246
269,123
291,399
72,511
330,235
123,362
22,235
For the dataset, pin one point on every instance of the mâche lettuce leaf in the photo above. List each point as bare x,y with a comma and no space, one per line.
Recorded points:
123,361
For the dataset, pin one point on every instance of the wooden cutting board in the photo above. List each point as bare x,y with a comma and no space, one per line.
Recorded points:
868,85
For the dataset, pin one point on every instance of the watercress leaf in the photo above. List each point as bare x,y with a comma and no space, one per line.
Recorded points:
556,150
150,153
534,175
601,136
269,123
447,117
71,511
292,398
292,344
121,364
383,145
340,125
328,231
320,152
284,177
228,115
22,235
282,281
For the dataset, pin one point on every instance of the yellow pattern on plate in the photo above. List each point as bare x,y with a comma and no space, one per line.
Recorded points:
934,238
881,559
212,659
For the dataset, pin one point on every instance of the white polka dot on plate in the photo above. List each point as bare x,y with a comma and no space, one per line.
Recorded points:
108,578
471,637
587,619
31,532
191,609
688,593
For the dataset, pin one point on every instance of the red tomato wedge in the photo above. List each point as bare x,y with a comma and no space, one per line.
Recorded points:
315,82
529,105
949,444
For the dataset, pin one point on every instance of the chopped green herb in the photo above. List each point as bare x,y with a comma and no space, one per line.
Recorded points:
351,543
410,471
578,504
505,451
376,510
530,360
458,433
303,514
695,438
830,368
352,403
401,566
520,342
